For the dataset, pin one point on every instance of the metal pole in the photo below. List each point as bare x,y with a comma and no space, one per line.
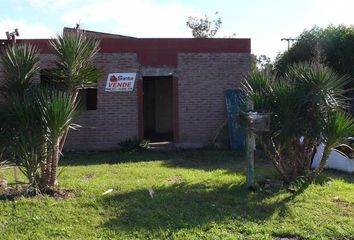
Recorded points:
250,144
13,39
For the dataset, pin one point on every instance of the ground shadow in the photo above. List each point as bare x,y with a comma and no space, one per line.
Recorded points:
204,159
95,158
334,174
186,206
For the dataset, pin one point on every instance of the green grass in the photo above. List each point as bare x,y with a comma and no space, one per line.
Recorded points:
198,195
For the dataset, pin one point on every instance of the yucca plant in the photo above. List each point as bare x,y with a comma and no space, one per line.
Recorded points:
74,66
58,113
304,104
19,64
33,119
22,136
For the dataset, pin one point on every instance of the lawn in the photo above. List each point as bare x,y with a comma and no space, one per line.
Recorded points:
197,195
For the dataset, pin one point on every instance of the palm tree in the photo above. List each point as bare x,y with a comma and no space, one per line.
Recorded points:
74,70
75,67
22,135
19,64
58,114
307,107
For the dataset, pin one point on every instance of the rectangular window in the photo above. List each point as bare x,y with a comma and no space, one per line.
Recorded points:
88,99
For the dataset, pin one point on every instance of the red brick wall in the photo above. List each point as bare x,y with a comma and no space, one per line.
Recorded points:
116,117
202,79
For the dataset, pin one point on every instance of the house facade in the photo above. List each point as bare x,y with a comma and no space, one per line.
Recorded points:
177,93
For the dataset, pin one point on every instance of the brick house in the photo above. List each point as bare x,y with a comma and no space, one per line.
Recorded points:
177,95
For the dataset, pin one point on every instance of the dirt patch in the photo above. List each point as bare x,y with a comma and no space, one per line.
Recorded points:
175,179
12,193
89,176
342,203
288,237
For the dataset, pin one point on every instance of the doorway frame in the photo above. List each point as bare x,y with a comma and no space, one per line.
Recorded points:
175,105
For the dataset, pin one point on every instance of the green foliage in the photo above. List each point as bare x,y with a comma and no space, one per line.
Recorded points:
31,125
133,145
33,118
202,27
19,65
75,61
261,63
306,102
22,136
198,195
333,46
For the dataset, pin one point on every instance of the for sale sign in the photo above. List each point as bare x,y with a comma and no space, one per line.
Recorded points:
120,82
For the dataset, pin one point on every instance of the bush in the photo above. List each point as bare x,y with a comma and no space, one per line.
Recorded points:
133,145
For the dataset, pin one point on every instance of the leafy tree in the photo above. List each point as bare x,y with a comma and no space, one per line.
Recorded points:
261,63
333,46
203,27
308,106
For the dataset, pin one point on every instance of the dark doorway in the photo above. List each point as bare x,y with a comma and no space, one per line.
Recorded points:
158,109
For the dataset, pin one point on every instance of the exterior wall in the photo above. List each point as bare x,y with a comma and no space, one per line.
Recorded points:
116,117
202,69
202,78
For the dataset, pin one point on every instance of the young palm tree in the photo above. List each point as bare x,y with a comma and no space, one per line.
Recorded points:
74,70
58,113
75,67
22,134
304,106
19,64
34,118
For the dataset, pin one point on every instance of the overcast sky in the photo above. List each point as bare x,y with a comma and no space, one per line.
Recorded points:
264,21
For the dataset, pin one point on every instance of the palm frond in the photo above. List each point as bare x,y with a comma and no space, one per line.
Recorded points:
75,61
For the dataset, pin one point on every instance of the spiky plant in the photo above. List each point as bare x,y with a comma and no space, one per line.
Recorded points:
74,66
303,104
57,113
23,137
19,64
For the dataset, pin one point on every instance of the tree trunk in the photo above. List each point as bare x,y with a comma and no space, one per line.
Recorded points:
54,166
326,152
275,158
65,135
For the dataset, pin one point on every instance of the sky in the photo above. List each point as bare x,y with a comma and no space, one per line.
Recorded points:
264,21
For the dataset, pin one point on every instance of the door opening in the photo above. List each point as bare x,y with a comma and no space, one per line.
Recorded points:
158,108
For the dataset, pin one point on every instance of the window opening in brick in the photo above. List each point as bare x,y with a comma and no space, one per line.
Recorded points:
87,99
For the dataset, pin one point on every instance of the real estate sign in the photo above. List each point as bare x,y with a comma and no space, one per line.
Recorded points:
120,82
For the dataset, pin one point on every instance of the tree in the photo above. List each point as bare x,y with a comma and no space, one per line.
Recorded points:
33,118
333,46
75,69
19,64
308,106
203,27
261,63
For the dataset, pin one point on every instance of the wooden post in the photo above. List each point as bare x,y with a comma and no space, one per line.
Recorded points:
250,145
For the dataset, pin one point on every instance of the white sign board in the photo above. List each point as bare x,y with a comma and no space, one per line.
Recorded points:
120,82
